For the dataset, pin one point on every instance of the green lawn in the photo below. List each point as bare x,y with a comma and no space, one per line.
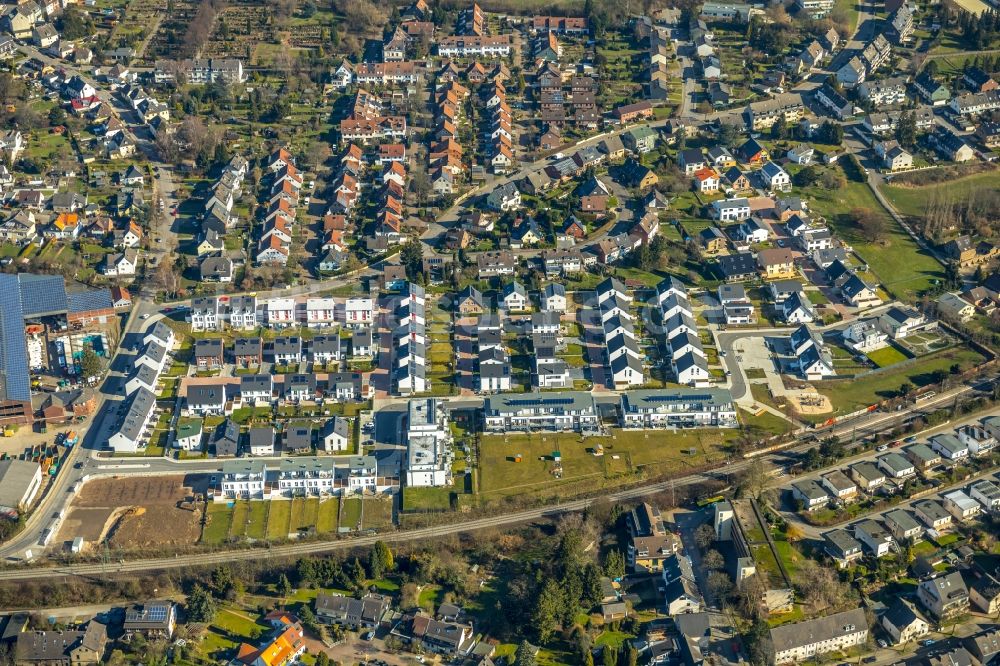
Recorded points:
238,523
426,499
766,422
236,623
217,528
612,638
257,524
625,451
303,513
886,356
377,514
851,394
326,518
914,201
351,513
430,597
279,515
897,261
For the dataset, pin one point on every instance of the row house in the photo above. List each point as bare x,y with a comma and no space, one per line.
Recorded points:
623,355
463,46
683,344
386,73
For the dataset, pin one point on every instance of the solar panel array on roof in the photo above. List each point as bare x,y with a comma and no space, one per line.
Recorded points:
89,300
158,613
42,295
15,383
680,397
540,401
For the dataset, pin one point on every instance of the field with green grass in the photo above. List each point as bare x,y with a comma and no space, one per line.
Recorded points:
219,518
279,515
625,452
913,201
896,260
350,513
852,394
766,423
426,499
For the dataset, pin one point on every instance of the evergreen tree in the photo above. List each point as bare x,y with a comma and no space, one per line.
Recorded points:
283,586
614,564
525,655
380,560
547,611
200,605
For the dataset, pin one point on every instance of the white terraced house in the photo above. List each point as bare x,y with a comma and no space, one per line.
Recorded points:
358,311
320,312
280,312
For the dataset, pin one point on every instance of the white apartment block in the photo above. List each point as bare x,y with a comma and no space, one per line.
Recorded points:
429,454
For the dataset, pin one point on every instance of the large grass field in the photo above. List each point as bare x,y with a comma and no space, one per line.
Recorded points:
914,201
849,395
898,262
625,452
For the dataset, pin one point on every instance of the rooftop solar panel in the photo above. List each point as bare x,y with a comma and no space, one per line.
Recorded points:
91,299
14,377
42,295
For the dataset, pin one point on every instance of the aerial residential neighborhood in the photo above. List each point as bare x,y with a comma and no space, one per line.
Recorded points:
522,333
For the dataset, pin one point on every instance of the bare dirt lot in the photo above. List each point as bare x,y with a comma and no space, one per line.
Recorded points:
132,514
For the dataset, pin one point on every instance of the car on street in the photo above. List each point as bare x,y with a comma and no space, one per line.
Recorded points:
144,316
881,447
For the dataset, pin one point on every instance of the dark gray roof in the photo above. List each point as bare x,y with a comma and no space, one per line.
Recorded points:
901,614
210,394
733,265
227,438
208,347
338,425
138,407
326,344
830,627
288,345
247,346
260,436
297,438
